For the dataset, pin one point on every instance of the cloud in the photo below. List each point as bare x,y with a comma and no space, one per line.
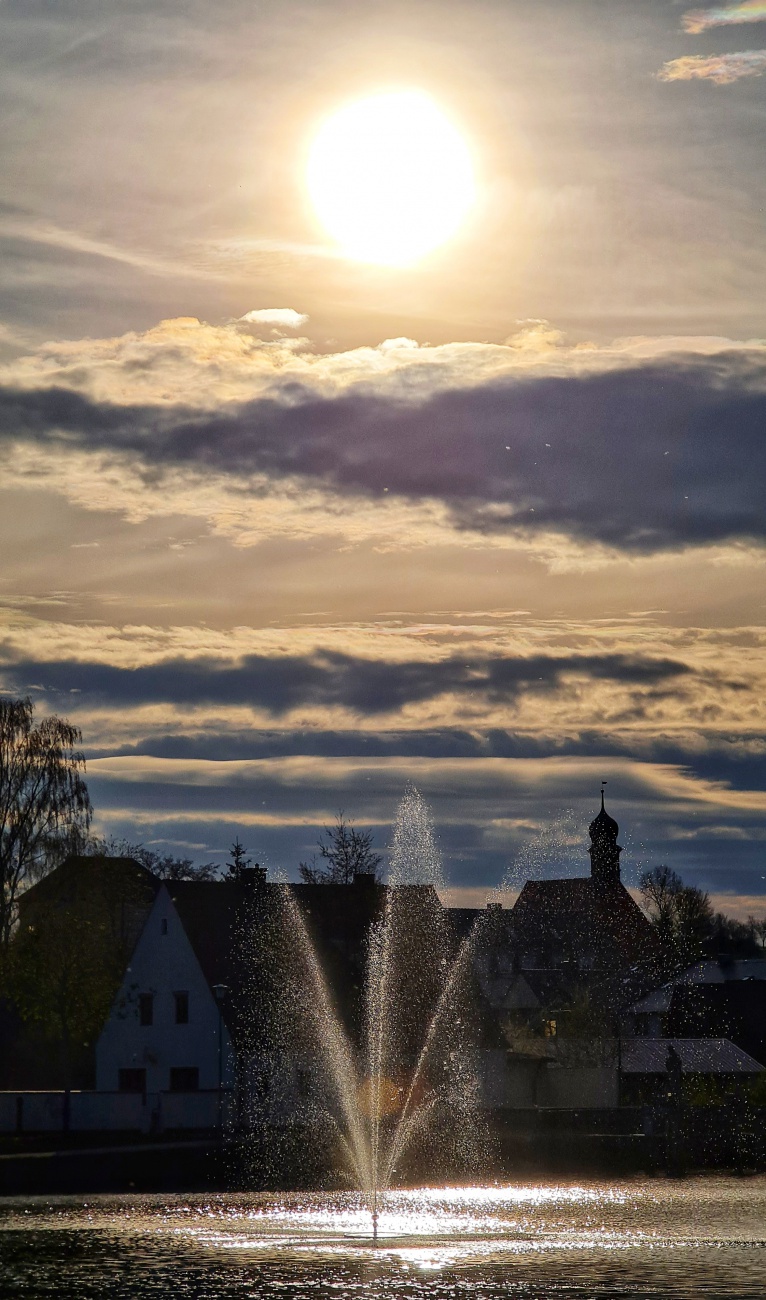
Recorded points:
700,20
330,679
643,455
47,233
497,819
722,69
275,316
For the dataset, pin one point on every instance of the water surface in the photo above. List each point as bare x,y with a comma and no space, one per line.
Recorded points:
590,1240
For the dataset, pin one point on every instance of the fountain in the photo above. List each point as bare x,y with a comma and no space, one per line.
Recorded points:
406,1066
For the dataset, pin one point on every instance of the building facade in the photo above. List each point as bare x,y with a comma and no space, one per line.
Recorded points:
167,1029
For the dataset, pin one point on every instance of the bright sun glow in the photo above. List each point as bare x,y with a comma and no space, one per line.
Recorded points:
390,177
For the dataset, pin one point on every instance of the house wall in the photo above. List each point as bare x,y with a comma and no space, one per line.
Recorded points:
508,1083
163,964
579,1087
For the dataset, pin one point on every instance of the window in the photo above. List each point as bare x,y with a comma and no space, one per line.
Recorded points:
549,1028
131,1080
184,1078
146,1008
163,925
182,1008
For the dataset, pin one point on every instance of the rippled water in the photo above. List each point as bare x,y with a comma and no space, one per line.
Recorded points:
642,1238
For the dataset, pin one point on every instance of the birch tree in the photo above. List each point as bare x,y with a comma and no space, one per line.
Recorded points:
44,805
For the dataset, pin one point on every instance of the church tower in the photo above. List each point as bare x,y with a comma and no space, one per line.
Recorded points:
604,849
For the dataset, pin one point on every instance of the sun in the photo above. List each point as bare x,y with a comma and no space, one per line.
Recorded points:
390,177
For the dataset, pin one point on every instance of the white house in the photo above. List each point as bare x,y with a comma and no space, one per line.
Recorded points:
167,1031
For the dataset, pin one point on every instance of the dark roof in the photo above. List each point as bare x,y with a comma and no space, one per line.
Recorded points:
216,914
587,918
603,825
698,1056
462,920
531,990
120,891
78,873
703,974
723,971
208,910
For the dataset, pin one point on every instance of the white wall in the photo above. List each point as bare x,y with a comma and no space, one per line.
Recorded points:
163,964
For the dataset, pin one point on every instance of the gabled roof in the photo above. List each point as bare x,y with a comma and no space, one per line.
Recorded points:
702,974
208,910
723,971
588,916
75,878
216,915
531,990
698,1056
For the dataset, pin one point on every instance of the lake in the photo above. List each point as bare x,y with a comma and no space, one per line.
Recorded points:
701,1236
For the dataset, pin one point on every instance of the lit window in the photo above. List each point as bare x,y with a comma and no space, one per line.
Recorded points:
182,1008
549,1028
146,1009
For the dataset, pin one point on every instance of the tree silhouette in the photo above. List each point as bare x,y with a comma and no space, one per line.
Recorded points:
238,861
45,810
344,852
681,914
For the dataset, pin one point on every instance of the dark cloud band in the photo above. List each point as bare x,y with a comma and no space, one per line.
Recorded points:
643,458
331,679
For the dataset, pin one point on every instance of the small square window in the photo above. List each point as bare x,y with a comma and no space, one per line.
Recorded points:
184,1078
146,1009
131,1080
182,1008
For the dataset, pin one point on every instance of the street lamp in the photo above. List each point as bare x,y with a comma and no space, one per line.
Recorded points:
219,993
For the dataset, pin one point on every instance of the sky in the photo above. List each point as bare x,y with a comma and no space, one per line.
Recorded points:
283,531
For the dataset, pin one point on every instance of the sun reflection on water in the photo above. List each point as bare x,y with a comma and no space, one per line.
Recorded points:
647,1237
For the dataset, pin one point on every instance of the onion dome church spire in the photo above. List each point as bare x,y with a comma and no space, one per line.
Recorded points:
604,849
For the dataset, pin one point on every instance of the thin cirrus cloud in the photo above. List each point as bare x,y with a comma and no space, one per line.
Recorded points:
696,21
721,69
651,455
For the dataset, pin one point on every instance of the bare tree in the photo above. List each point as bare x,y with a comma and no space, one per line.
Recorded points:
45,810
162,865
344,852
681,914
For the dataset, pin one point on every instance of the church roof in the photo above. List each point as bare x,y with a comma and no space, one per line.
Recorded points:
586,918
603,826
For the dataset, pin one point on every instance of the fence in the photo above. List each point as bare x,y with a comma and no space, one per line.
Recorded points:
101,1112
